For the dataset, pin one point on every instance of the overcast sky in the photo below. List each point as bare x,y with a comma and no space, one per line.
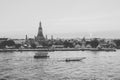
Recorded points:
60,18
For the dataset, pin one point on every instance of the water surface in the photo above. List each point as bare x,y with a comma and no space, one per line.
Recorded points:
96,66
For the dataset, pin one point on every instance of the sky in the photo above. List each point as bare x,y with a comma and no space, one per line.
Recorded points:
60,18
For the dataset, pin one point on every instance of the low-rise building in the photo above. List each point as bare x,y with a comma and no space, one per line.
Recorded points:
57,46
19,41
3,39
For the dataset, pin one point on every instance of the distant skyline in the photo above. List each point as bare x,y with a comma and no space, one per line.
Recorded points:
60,18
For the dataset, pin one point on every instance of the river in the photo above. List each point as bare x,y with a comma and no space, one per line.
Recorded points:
97,66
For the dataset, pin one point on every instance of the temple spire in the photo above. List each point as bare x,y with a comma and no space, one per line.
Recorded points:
40,36
40,25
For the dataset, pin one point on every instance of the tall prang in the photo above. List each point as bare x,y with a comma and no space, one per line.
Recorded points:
40,36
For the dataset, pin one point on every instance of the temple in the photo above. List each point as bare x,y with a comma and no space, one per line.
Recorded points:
40,36
38,40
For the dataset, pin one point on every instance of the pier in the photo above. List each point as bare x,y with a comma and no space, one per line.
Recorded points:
60,49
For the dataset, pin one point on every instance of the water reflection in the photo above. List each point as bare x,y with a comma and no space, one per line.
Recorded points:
96,66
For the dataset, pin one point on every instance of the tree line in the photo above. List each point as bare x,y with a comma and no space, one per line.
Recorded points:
67,43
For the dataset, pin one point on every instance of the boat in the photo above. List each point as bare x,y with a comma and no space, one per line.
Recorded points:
75,59
41,55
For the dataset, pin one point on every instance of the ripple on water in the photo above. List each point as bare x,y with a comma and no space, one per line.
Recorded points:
9,77
96,66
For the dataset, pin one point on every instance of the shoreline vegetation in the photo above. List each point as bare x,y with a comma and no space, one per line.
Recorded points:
95,44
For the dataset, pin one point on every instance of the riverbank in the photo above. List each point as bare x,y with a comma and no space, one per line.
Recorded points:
59,49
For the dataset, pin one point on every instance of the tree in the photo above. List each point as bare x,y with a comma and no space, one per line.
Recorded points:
10,43
33,45
17,45
88,42
7,43
68,44
3,44
45,43
117,42
94,43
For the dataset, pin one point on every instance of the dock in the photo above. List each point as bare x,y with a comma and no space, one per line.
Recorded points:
59,49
